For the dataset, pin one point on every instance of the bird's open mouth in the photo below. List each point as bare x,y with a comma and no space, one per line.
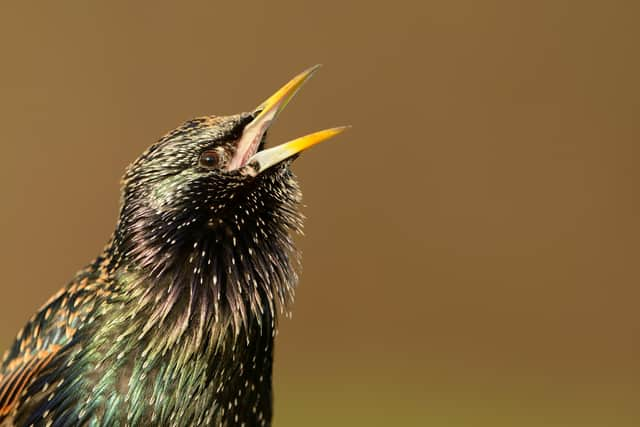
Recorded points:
248,158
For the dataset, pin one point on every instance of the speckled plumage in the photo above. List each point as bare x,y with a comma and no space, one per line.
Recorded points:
174,323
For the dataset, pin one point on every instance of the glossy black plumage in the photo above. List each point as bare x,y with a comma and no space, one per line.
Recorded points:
174,323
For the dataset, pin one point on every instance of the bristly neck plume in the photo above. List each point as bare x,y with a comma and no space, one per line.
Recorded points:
197,259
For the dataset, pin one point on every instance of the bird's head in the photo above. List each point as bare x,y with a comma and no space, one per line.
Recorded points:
210,192
212,163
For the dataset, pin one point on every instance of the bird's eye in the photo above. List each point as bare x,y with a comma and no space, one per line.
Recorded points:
209,159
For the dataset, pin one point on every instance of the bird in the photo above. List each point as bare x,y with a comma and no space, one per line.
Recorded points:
173,324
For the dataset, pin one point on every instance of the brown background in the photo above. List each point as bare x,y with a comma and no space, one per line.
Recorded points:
471,252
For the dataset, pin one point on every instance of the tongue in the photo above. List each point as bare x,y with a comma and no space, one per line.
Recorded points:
250,141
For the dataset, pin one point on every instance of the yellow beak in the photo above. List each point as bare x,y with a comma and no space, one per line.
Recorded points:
265,115
276,102
264,159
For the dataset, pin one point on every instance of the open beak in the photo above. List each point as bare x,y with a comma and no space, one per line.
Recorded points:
247,148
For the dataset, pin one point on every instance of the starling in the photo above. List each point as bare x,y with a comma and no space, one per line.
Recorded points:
174,322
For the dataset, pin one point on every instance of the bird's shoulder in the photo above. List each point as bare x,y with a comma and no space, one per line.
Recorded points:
52,328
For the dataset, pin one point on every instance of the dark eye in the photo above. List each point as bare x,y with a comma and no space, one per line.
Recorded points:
209,159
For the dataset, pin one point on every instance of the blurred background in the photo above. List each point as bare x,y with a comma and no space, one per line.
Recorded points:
471,248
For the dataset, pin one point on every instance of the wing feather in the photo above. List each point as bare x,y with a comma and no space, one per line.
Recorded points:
24,371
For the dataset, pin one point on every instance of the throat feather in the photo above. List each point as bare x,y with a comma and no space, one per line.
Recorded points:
197,277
